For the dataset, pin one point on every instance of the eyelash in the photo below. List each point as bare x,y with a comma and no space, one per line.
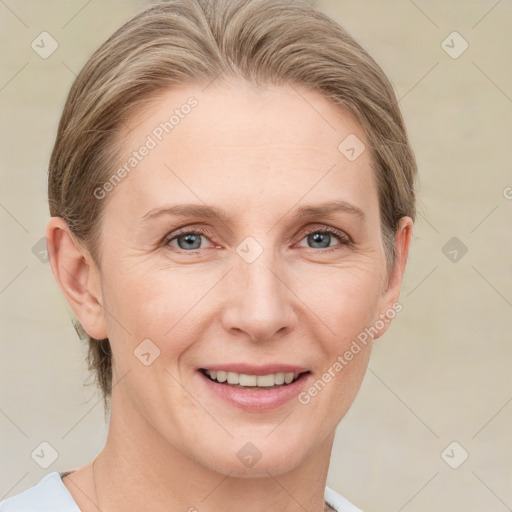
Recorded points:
340,235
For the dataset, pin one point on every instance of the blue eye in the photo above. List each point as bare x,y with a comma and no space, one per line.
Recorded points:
187,240
190,239
321,238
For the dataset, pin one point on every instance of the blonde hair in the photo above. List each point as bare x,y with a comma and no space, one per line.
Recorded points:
183,42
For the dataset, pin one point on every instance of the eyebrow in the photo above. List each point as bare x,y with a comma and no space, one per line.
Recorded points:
212,212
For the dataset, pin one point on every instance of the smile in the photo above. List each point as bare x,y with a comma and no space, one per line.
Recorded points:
252,388
245,380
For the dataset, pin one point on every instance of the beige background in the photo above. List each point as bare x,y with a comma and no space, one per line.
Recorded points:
442,373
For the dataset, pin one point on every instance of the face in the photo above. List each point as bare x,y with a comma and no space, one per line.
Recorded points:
242,242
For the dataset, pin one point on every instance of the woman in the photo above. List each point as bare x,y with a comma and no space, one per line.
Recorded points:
232,200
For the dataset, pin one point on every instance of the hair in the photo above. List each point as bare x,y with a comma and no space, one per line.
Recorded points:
183,42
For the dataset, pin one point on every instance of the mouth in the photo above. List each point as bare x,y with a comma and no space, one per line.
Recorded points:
254,388
250,381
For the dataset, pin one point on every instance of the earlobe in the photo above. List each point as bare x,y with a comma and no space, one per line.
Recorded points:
78,277
391,294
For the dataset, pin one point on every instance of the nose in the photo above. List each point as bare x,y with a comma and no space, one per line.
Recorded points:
260,303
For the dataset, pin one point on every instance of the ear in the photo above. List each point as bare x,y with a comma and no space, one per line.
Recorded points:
389,306
77,275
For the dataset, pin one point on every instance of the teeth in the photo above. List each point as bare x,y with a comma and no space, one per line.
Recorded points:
247,380
233,378
244,379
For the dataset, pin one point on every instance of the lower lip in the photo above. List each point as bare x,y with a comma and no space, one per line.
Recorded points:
256,400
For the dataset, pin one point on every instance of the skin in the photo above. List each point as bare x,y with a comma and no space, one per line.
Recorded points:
258,153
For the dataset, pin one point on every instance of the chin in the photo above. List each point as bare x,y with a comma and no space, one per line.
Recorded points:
258,458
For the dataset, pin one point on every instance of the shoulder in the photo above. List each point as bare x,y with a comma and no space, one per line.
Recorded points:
335,500
48,495
51,495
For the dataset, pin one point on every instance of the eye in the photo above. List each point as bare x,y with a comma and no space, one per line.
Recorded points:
187,240
321,238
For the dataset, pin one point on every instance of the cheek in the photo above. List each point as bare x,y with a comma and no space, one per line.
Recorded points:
351,307
158,306
170,305
346,298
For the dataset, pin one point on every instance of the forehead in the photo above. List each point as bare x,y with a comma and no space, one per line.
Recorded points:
238,103
239,141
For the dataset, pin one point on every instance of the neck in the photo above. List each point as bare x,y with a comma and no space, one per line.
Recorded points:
136,458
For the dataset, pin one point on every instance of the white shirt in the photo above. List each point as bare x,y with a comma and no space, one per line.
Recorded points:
51,495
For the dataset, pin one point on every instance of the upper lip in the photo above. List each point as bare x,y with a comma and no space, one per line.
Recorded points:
252,369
